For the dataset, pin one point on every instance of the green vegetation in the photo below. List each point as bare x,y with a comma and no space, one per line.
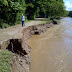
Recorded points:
46,20
66,13
42,8
70,14
11,10
57,20
5,60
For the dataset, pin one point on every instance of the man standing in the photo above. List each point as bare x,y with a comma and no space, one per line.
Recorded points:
23,20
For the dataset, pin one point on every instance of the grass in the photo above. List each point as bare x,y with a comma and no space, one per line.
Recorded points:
5,60
5,25
56,20
45,21
28,20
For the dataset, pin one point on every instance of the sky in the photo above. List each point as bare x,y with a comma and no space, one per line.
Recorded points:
68,5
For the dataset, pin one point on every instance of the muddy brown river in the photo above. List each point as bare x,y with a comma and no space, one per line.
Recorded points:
52,51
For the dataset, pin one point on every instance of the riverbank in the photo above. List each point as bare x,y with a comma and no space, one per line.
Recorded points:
19,46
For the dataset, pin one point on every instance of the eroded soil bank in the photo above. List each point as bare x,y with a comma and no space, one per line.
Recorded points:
22,59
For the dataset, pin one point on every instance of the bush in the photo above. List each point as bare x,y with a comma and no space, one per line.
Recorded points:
5,60
1,21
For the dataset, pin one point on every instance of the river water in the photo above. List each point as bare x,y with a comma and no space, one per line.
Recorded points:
52,52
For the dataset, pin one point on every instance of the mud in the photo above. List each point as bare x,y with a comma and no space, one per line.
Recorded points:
52,51
22,59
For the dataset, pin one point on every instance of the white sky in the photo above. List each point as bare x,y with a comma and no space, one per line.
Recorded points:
68,4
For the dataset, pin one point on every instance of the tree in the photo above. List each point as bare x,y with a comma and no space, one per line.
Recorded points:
56,9
10,9
70,14
5,2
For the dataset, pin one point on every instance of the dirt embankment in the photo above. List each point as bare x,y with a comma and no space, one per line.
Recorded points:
22,58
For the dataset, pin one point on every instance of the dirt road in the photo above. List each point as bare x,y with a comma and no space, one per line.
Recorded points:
15,32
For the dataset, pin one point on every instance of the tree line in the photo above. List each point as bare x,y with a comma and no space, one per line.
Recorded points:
11,10
70,14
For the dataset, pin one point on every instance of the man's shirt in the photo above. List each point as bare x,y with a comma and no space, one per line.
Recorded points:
22,18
